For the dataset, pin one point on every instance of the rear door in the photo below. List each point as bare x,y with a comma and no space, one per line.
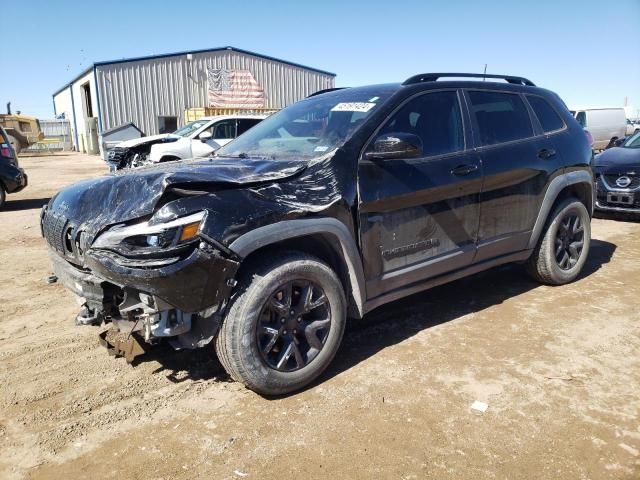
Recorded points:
419,216
517,162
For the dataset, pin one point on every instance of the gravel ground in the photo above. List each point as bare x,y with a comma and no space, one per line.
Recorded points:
558,367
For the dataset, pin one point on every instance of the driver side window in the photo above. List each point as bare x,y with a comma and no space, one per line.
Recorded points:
435,118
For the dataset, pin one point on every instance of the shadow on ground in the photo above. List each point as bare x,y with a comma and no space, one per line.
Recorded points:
397,321
391,323
618,216
26,204
194,365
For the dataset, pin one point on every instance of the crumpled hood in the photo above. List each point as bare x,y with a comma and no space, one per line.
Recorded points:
126,196
134,142
618,159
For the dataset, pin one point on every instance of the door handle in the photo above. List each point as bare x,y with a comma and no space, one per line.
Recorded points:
546,153
464,169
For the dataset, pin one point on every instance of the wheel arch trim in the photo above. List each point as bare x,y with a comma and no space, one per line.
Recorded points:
288,229
555,187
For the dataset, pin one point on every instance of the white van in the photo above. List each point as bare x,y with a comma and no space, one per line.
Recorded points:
603,123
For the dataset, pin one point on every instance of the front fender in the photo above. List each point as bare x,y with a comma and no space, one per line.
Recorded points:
160,150
288,229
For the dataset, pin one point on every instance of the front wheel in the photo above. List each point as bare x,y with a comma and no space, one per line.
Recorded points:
284,326
564,246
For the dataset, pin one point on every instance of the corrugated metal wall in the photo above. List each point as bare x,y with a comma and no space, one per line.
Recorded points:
141,91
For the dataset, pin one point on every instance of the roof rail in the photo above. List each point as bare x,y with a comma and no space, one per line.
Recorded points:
432,77
326,90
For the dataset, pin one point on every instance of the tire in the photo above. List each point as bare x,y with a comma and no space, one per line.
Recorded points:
270,363
553,261
15,144
3,196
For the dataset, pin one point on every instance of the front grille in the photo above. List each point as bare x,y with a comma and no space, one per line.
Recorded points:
610,180
53,227
116,154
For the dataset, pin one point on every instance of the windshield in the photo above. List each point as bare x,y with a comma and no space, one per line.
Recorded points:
633,141
191,127
309,128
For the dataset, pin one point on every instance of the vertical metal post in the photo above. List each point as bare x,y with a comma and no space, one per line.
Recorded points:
75,124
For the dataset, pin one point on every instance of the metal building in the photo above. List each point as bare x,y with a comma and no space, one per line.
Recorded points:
154,92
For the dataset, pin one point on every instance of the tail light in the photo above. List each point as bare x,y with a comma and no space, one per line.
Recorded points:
5,151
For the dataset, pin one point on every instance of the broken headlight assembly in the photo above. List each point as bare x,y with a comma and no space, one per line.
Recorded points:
146,240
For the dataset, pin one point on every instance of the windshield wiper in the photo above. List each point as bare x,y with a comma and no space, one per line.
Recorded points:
244,155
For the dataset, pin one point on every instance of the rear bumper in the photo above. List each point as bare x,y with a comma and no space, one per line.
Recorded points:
15,182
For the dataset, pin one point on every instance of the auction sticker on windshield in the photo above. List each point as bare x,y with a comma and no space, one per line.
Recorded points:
353,107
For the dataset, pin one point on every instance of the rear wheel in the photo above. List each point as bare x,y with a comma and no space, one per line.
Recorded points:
564,246
3,196
285,326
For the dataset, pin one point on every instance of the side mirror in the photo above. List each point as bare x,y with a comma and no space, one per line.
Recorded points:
205,136
395,145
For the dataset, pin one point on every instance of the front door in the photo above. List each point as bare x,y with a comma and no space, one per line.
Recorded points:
222,133
419,216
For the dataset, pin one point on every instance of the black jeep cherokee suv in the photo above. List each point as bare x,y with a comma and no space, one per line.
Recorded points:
342,202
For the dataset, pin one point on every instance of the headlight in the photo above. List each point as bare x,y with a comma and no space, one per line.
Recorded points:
145,238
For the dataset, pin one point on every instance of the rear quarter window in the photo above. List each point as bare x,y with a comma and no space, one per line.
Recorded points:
501,117
548,117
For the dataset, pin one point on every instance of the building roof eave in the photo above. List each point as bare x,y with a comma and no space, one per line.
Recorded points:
177,54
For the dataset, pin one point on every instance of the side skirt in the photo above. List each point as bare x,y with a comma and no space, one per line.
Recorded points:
446,278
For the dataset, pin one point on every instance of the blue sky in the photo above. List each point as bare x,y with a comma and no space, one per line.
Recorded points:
586,51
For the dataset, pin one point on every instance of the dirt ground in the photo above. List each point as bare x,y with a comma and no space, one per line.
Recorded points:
558,367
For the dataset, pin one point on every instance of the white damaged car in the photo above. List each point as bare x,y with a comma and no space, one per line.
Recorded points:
196,139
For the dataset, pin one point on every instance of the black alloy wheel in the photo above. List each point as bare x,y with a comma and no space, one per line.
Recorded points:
569,241
293,325
285,323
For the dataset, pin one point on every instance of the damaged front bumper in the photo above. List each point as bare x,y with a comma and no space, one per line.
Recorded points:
181,301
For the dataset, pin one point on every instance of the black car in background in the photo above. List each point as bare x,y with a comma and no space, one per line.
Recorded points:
617,172
340,203
12,177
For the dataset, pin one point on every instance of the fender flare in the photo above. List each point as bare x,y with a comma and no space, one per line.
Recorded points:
288,229
555,187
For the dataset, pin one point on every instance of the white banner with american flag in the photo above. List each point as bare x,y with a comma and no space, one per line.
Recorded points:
233,89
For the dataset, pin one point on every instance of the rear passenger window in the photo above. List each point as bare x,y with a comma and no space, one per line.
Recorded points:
549,118
501,117
245,124
435,118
